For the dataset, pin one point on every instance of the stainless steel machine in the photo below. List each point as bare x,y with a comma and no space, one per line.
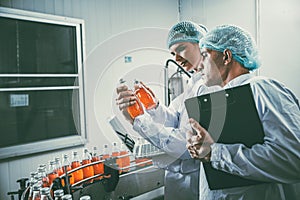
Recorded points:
140,183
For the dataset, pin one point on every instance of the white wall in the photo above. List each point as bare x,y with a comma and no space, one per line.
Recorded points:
215,12
108,24
280,41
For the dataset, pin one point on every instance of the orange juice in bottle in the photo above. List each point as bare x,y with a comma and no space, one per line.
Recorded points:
98,168
36,192
58,166
42,176
135,109
78,174
141,158
105,153
116,153
67,165
89,170
125,159
145,95
52,173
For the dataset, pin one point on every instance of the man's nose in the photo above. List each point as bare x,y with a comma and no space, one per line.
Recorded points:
201,62
200,66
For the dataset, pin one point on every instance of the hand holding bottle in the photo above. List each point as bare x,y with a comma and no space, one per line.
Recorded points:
128,104
132,103
126,97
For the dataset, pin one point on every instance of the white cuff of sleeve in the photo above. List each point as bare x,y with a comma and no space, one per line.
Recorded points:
144,124
215,152
216,156
155,112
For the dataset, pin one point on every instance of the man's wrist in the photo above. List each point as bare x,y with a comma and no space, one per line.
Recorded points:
206,158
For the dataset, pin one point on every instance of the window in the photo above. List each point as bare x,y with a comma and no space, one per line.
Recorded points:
41,82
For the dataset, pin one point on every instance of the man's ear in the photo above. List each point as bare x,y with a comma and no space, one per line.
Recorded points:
227,56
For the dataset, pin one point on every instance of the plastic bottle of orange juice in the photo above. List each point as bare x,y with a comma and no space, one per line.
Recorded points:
135,109
67,165
105,152
52,173
125,159
98,168
58,166
78,174
42,176
145,95
36,192
87,159
116,153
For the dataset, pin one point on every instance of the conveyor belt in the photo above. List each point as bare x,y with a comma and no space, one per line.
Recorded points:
132,184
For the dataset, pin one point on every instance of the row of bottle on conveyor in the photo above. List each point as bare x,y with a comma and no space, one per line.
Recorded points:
45,194
44,176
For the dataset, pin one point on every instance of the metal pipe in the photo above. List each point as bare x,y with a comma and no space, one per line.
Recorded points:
257,23
166,78
181,68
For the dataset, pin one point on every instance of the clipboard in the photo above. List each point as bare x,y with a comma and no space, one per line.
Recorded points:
230,116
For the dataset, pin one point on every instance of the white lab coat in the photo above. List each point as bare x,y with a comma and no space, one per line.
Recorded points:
276,161
165,127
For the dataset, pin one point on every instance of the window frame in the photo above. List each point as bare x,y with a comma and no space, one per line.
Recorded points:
60,142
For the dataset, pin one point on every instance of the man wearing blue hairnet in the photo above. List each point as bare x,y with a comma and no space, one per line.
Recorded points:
228,56
164,126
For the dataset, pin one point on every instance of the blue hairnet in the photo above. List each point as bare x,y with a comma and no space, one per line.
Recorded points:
185,31
237,40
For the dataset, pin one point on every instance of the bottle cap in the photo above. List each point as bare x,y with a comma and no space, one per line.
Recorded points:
122,80
33,173
51,162
58,193
45,190
67,197
36,187
41,169
85,198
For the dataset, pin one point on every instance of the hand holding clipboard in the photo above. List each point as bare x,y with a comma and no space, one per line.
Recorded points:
199,143
230,117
